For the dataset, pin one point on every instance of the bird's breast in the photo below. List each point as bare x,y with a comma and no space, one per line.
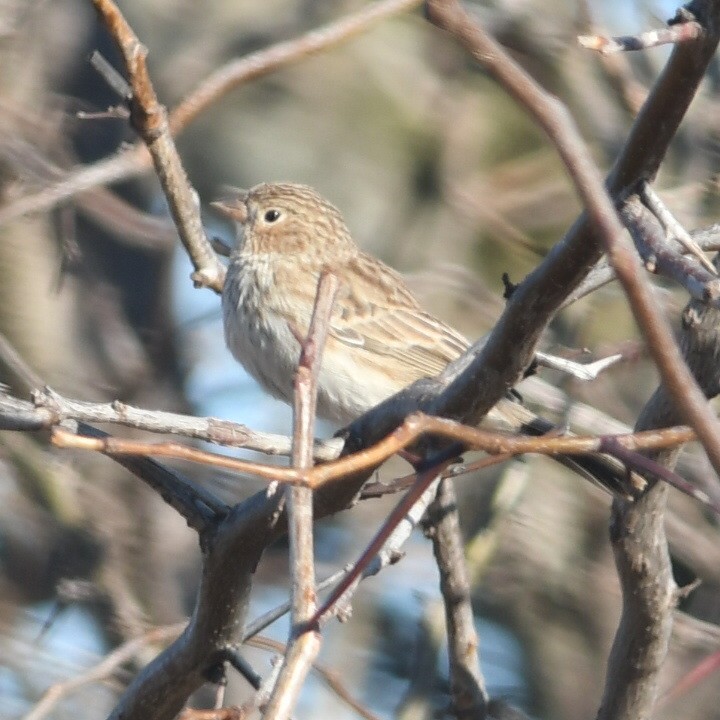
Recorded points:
256,332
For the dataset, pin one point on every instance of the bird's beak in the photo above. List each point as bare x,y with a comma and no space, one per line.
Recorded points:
232,205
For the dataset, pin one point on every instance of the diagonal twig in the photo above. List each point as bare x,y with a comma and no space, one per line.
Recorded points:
103,670
424,481
683,28
467,685
673,227
136,160
662,257
149,118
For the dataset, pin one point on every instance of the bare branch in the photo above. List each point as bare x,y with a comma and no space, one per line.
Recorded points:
642,638
199,507
271,59
707,239
103,670
215,430
331,678
672,226
136,160
683,28
661,257
149,119
467,686
589,371
304,641
256,626
556,122
418,492
111,76
623,447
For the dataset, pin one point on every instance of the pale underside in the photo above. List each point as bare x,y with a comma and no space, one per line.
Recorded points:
380,340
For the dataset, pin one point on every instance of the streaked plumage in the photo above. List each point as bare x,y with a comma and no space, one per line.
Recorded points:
380,339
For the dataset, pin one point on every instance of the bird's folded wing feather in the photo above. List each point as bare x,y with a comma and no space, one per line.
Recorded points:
383,318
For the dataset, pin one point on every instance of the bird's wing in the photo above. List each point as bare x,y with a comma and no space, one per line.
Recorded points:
376,312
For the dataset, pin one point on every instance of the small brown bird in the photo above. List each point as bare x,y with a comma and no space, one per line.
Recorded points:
379,340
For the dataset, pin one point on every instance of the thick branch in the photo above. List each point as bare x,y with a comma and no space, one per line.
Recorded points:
478,380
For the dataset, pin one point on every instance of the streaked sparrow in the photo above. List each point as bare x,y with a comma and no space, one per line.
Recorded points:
379,340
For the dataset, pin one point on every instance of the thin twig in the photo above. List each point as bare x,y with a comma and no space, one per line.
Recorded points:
259,624
707,667
580,371
304,641
672,225
103,670
467,685
422,484
24,376
390,539
149,118
197,505
111,76
380,489
707,239
683,31
413,429
263,62
331,679
661,256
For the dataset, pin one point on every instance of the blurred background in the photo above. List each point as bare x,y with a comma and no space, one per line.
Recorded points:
438,173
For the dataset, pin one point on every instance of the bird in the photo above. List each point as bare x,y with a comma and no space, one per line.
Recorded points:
379,340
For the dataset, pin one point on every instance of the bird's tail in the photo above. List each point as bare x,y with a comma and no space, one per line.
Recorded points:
603,470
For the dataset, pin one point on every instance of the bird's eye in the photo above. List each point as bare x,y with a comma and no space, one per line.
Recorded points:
271,215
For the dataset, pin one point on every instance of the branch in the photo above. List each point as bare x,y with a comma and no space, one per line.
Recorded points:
329,677
673,227
661,256
304,642
414,428
136,160
261,63
214,430
418,495
643,635
707,239
467,686
103,670
149,119
622,447
640,547
477,381
556,122
683,28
